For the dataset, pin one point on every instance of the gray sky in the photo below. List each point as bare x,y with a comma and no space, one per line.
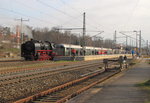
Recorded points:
101,15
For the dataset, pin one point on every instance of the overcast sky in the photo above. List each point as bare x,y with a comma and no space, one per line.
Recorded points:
101,15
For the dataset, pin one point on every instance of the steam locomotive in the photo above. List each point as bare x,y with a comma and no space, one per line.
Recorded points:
37,50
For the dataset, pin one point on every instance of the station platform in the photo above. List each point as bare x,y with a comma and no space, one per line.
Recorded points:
120,89
89,57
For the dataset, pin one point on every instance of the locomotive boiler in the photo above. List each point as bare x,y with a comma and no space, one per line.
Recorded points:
37,50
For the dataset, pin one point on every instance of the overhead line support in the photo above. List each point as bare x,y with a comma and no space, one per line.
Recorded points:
21,21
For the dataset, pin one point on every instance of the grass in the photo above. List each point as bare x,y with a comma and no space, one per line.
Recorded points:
145,86
13,50
4,51
8,48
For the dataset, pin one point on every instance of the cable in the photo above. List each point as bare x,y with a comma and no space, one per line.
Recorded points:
63,2
58,10
27,6
132,12
74,18
15,12
80,13
68,22
55,8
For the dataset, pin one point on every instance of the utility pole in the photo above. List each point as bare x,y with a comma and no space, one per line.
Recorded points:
79,40
21,22
70,43
115,38
136,41
126,36
147,47
140,51
137,50
126,41
18,36
84,32
130,44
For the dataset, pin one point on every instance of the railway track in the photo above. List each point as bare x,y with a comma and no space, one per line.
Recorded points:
23,84
70,89
66,91
14,66
29,66
19,87
40,65
6,80
29,76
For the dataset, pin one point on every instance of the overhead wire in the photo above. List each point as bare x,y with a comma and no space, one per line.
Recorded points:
52,8
58,10
80,13
15,12
63,2
18,13
61,11
40,11
68,22
128,18
132,13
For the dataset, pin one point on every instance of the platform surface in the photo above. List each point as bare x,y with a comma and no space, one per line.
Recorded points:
89,57
121,89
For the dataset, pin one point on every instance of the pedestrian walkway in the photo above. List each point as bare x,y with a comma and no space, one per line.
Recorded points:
120,90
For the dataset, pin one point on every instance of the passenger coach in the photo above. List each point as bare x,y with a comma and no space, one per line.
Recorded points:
65,50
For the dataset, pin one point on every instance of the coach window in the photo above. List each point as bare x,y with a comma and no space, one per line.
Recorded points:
67,51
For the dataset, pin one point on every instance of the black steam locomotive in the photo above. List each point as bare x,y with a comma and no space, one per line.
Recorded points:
37,50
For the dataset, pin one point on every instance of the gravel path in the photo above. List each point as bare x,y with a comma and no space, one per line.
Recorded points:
119,90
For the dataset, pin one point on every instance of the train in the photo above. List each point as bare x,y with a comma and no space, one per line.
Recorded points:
65,50
39,50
